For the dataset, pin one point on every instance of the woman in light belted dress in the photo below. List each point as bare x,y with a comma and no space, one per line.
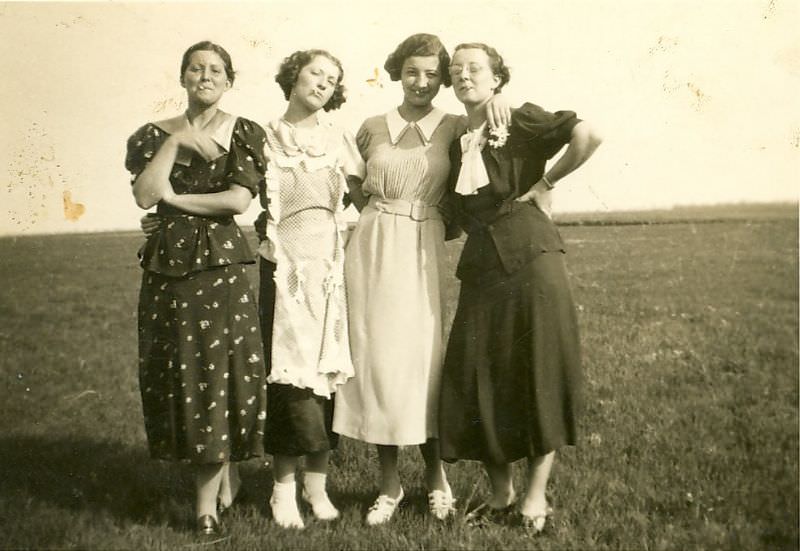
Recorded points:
394,275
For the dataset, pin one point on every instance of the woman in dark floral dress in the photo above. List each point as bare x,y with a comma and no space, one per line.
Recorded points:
201,366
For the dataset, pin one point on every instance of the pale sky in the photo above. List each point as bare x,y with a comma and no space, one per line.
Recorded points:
698,102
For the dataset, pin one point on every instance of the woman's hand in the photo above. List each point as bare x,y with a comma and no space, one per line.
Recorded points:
355,193
498,111
198,141
540,196
149,224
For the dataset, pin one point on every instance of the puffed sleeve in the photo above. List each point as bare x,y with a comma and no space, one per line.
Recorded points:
142,146
246,163
350,158
541,132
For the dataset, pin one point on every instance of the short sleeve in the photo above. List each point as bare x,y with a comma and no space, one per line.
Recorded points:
350,159
246,163
540,132
142,146
363,138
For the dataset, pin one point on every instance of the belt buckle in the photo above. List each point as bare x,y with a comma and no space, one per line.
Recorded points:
414,210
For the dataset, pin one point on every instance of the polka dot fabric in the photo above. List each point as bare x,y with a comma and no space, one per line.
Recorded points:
201,364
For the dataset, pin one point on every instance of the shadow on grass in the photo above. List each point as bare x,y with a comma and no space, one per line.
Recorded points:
80,474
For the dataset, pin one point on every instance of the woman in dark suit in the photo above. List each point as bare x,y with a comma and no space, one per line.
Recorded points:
512,375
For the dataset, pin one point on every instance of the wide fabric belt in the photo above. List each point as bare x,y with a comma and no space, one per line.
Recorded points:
416,210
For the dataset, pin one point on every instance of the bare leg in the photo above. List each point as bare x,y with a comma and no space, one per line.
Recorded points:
284,468
207,483
539,468
390,476
391,491
435,478
502,484
318,462
229,485
440,497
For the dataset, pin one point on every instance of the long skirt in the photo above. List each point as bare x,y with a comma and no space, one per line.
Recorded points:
394,274
298,421
512,375
201,366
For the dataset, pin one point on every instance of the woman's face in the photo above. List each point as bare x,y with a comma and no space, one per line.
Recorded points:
472,76
205,79
316,83
421,79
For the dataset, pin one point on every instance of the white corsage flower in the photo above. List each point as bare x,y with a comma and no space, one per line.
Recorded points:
498,136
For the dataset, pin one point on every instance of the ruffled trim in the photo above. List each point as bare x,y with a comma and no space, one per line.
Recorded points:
335,365
333,158
185,244
321,386
290,147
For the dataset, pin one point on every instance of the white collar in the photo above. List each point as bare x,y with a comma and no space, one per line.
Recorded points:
426,126
220,129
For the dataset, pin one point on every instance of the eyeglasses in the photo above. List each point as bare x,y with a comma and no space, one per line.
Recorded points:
472,69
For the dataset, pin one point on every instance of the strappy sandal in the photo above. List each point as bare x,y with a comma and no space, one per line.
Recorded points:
383,509
486,515
441,504
536,524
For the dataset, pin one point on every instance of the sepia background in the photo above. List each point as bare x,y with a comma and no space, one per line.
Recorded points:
698,102
688,315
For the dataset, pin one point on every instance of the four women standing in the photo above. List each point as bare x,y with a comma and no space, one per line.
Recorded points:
393,278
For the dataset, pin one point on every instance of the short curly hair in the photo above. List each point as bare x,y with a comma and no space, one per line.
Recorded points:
498,66
420,44
290,69
208,46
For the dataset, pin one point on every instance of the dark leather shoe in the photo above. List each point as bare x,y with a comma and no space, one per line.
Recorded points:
208,526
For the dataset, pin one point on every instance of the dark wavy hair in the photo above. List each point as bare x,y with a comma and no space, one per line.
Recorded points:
421,44
496,62
291,66
208,46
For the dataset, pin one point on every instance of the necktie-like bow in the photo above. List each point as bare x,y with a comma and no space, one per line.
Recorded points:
472,176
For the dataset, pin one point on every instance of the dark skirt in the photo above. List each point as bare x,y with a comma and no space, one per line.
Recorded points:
201,366
298,421
512,376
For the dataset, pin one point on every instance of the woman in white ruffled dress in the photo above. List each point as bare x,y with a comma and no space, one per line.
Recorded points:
303,306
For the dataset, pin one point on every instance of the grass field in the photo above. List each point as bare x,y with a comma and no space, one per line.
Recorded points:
689,438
